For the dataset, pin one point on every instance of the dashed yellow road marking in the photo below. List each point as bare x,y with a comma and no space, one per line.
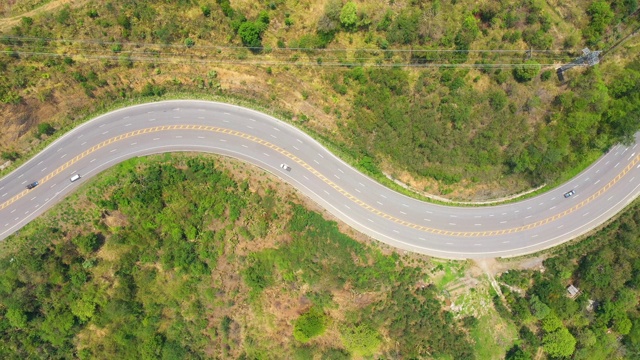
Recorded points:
315,172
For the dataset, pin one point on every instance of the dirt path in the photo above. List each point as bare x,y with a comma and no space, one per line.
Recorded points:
7,23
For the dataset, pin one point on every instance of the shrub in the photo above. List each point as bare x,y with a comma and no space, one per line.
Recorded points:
188,42
251,33
309,325
45,129
527,71
349,15
360,340
206,10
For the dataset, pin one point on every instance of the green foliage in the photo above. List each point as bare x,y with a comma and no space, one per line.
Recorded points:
601,16
360,340
559,343
309,325
10,155
206,10
87,243
189,42
404,28
251,33
349,15
527,71
45,129
468,33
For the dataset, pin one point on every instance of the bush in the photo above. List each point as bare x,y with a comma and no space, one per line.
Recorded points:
188,42
360,340
251,33
45,129
527,71
349,15
10,155
309,325
206,10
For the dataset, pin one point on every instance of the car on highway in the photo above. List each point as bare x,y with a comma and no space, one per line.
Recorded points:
32,185
285,167
568,194
75,177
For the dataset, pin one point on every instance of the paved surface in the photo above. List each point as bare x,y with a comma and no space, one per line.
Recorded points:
519,228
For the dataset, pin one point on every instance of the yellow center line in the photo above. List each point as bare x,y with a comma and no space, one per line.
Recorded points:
340,190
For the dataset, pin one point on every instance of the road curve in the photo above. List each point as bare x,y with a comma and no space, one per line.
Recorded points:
546,220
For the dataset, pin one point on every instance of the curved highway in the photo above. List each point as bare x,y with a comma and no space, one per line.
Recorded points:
549,219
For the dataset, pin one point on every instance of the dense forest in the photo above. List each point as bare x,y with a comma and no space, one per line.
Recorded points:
451,82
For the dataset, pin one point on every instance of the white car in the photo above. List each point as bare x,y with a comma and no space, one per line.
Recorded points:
285,167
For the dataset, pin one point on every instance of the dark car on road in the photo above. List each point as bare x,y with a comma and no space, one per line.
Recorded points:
568,194
32,185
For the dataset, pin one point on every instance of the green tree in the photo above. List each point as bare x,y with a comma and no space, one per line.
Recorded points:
309,325
527,71
45,129
349,15
559,343
601,16
251,33
360,340
17,318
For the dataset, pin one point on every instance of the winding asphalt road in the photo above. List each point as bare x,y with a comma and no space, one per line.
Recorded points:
513,229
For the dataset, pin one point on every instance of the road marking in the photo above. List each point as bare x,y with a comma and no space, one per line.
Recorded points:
36,165
632,179
503,222
244,146
540,204
596,182
133,143
336,176
528,216
341,171
378,202
43,169
273,136
426,219
477,224
405,205
316,161
361,184
176,117
452,223
560,227
276,129
92,160
252,119
83,143
201,117
396,231
106,132
616,165
382,196
265,154
305,176
347,206
156,138
333,185
223,140
178,137
553,207
320,155
296,148
200,137
326,192
226,113
250,127
358,190
535,235
12,211
114,150
129,124
370,220
477,216
5,194
300,141
529,208
33,198
152,119
102,125
585,214
403,213
505,242
423,239
63,156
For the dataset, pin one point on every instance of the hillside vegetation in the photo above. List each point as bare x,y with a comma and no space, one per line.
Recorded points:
497,127
176,258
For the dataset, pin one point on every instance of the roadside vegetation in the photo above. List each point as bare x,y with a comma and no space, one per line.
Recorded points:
476,131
